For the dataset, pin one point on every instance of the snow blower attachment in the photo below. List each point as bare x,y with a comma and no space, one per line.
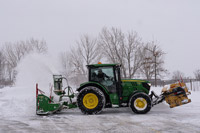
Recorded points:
175,96
47,105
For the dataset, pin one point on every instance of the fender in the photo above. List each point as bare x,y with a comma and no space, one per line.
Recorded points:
98,85
137,91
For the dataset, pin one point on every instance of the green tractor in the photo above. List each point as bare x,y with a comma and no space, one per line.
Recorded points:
106,89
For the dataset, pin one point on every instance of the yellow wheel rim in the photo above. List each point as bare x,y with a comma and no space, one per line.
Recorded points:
90,101
140,103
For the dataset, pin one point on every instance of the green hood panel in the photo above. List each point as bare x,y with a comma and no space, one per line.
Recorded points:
132,85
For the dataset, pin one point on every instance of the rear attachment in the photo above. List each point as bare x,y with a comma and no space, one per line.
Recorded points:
175,96
46,105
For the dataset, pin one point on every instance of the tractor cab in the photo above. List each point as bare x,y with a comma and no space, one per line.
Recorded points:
105,74
108,76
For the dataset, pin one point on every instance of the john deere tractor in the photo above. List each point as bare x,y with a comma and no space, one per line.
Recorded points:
106,89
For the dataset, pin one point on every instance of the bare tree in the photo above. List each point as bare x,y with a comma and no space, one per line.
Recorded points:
197,74
112,43
147,64
177,75
38,46
152,56
65,64
121,48
86,52
88,49
14,52
132,53
2,67
73,66
77,62
68,70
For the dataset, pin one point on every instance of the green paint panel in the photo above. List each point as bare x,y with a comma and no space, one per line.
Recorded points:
130,86
114,98
44,106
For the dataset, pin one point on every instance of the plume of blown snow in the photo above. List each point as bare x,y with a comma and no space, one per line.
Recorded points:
21,99
36,68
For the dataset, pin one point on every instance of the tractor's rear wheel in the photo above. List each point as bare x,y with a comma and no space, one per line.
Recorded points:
140,103
91,100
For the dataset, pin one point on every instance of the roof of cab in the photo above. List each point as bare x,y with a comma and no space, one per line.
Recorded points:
102,65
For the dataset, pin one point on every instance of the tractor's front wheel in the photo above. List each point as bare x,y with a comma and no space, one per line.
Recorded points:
91,100
140,103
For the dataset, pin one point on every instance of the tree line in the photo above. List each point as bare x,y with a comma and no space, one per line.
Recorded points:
12,53
137,58
111,45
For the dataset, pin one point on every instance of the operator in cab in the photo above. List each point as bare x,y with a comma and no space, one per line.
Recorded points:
101,76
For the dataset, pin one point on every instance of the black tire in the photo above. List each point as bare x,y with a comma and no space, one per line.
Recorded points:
145,105
91,90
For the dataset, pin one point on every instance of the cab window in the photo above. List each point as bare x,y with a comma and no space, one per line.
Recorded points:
105,76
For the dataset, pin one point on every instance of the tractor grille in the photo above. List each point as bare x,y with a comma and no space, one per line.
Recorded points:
146,85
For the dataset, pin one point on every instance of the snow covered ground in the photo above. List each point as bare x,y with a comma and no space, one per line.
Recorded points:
17,114
17,109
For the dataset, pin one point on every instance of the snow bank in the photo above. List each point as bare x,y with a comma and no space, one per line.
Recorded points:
20,100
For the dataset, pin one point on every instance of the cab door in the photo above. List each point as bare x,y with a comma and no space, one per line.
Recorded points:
106,77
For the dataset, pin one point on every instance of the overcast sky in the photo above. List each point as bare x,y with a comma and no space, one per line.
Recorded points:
175,24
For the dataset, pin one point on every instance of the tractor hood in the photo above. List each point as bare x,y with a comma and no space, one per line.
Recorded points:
143,85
